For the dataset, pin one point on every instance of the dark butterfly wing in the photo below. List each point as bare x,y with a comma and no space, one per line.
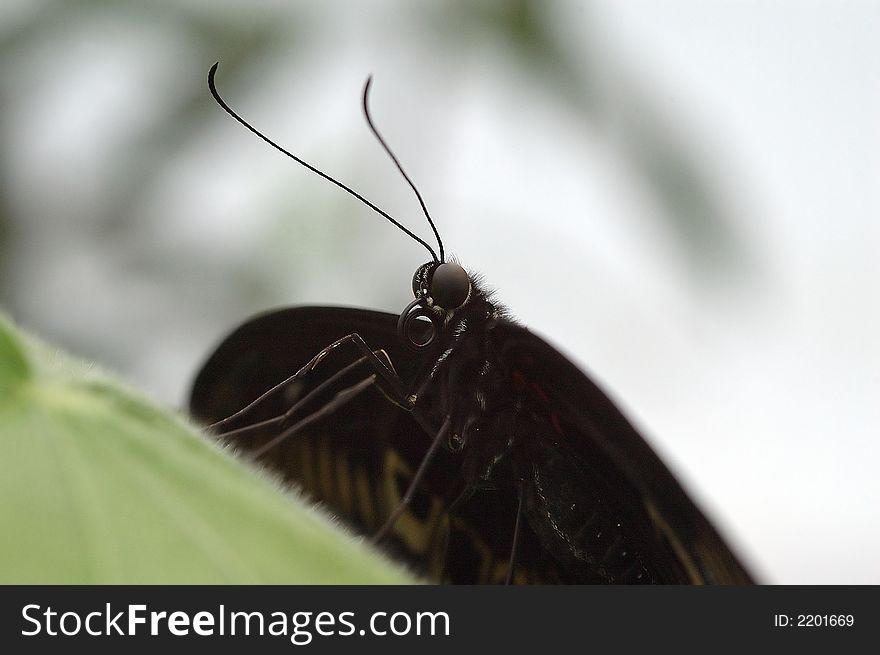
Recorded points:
685,547
359,461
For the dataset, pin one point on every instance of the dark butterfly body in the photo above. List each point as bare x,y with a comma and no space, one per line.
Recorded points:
477,451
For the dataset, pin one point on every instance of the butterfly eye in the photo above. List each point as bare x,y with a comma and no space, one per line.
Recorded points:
450,286
420,279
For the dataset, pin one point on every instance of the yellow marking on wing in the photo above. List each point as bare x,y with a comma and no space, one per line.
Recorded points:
343,483
480,546
414,533
499,573
364,496
308,471
325,472
437,557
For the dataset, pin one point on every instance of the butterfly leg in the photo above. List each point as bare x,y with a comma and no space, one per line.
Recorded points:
413,485
400,398
392,386
381,370
461,497
384,369
396,392
282,420
341,398
372,356
516,528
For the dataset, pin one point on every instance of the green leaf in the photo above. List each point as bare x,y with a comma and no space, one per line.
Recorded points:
98,485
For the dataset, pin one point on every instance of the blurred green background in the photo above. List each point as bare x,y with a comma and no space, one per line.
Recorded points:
682,197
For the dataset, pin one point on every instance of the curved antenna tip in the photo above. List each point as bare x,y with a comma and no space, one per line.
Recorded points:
211,73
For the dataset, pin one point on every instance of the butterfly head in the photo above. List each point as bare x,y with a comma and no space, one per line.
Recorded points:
439,289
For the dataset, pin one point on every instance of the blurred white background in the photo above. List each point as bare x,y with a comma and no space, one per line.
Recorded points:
680,196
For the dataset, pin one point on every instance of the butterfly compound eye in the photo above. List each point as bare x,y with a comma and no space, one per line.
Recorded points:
420,279
450,286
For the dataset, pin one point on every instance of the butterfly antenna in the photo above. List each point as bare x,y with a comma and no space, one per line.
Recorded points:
231,112
397,163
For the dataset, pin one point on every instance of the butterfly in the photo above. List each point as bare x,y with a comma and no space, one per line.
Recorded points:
463,443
